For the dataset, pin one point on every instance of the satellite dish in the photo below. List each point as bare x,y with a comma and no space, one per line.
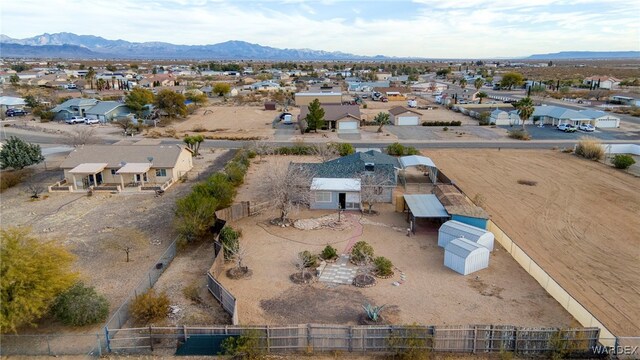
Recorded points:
150,158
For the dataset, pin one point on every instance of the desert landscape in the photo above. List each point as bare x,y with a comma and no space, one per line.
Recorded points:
579,221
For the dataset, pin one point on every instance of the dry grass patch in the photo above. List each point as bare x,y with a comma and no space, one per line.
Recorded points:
9,179
590,148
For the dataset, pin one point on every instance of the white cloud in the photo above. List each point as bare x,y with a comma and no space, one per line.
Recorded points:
469,29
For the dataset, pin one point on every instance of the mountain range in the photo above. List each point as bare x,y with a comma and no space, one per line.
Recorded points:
69,45
72,46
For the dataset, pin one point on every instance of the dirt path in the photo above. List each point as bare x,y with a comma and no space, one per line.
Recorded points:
580,222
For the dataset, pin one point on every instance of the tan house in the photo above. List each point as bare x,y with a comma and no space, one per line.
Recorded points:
400,115
340,117
124,167
306,98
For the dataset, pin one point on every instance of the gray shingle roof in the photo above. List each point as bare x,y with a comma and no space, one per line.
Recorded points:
352,166
104,107
75,102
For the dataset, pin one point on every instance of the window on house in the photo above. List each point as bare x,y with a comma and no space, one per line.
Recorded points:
161,172
377,190
113,171
323,196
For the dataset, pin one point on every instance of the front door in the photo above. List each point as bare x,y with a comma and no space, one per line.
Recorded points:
97,177
342,200
140,177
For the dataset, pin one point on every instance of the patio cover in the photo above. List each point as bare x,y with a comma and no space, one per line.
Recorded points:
425,206
329,184
134,168
415,160
88,168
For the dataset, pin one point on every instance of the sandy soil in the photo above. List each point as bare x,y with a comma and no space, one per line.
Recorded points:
432,294
580,222
83,225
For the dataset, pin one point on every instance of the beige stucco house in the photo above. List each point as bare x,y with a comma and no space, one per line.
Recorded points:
124,167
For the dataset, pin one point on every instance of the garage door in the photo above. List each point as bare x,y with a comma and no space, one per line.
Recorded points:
607,123
408,120
347,125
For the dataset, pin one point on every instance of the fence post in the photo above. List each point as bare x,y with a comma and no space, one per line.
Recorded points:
268,339
49,346
184,332
515,342
309,341
107,340
150,338
99,345
351,338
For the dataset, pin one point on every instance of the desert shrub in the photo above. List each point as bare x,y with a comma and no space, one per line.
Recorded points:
80,305
519,134
249,345
229,237
344,149
412,343
590,148
149,307
445,129
235,172
9,179
622,161
527,182
395,149
308,259
329,252
410,150
217,186
361,252
192,292
384,266
441,123
199,128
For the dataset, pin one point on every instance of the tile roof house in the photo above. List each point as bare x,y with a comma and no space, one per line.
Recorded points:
602,82
339,182
337,116
126,167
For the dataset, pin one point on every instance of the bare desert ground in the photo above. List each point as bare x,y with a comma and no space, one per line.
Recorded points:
580,222
431,294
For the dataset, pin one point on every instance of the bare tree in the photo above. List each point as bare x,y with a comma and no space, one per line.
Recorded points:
83,136
372,185
124,123
324,151
287,187
302,262
35,189
262,148
126,240
238,255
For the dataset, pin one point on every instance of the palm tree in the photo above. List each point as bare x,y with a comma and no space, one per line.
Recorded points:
381,120
90,75
525,109
463,83
100,84
481,95
478,83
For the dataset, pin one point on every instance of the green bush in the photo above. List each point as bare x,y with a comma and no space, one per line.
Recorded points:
344,149
329,253
361,252
149,307
229,237
195,213
309,259
519,134
249,345
218,186
410,150
235,172
297,149
590,148
384,266
395,149
622,161
80,305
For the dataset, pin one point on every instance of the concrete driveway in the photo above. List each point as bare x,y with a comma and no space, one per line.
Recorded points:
429,133
549,132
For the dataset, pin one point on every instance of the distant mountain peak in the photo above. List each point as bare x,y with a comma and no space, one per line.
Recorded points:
586,55
101,47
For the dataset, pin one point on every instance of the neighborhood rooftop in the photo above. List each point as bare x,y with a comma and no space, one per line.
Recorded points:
116,155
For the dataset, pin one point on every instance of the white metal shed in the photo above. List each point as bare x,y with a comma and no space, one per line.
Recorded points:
453,229
465,257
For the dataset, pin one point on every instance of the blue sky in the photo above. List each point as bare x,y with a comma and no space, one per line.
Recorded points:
421,28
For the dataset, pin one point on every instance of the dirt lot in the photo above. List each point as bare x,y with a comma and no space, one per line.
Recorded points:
431,294
83,224
580,222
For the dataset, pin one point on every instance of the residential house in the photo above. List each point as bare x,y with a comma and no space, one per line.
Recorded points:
126,167
366,86
303,99
625,100
400,115
340,117
393,93
602,82
158,80
501,117
431,87
602,119
457,95
106,111
383,76
556,115
264,86
73,107
338,184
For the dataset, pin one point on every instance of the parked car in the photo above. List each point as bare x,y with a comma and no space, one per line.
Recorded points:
76,120
91,121
15,112
567,128
586,127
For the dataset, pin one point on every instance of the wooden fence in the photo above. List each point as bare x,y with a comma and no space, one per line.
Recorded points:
234,212
372,339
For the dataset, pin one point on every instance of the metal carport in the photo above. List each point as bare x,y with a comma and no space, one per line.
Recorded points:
423,206
416,160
